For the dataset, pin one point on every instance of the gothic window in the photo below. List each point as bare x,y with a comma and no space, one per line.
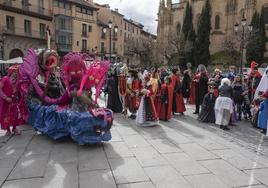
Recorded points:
178,29
265,14
217,22
231,7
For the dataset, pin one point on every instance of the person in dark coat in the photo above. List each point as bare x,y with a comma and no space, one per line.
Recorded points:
207,114
201,86
186,82
114,102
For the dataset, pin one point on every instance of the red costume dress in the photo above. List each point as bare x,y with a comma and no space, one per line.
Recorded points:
165,107
178,103
133,98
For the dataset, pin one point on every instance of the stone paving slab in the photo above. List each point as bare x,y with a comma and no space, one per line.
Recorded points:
4,172
176,138
135,141
98,179
24,183
92,158
29,167
127,170
259,174
185,164
117,150
137,185
60,175
149,157
228,174
238,160
205,181
166,177
164,146
197,152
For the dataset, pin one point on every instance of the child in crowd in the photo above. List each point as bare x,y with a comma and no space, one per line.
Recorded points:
255,110
263,116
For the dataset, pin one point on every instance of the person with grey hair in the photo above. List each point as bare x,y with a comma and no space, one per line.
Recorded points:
224,104
201,86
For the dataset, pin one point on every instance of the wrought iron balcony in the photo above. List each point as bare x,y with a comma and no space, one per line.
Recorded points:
26,9
16,31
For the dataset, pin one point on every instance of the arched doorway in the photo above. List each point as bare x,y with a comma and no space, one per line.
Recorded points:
15,53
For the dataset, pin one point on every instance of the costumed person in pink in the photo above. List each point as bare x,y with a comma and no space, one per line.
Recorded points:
9,111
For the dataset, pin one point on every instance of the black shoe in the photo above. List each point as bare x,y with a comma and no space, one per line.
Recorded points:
196,113
221,127
225,128
182,114
264,131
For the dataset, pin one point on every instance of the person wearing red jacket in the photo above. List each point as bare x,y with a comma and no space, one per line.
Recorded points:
178,105
254,79
166,97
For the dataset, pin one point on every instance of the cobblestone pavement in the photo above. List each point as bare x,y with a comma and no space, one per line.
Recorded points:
180,153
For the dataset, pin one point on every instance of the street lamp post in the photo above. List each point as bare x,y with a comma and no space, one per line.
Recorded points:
243,39
110,24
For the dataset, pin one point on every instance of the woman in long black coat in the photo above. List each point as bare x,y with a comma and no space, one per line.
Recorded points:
207,114
186,82
201,85
114,102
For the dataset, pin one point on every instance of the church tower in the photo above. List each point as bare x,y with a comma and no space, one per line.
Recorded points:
169,4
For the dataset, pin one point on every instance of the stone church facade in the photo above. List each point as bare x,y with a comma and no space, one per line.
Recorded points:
225,14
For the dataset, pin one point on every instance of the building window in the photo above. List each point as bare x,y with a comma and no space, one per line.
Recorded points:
114,47
178,29
89,28
25,3
121,33
90,12
42,30
41,5
28,27
84,45
217,22
67,6
78,9
62,23
55,3
125,26
61,4
77,43
84,11
125,36
10,22
102,47
84,30
265,15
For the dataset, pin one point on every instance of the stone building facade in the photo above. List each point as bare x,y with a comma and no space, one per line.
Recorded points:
23,25
225,14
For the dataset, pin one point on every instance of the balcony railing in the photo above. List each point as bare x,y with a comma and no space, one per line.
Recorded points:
29,9
64,47
16,31
84,34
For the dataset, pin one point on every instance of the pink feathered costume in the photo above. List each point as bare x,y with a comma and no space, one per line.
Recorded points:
9,111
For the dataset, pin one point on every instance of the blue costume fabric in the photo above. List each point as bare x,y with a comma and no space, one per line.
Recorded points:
82,127
263,116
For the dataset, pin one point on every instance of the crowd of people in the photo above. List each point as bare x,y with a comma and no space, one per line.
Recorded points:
160,93
57,101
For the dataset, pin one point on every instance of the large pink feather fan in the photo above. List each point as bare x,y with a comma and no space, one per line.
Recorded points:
95,76
29,68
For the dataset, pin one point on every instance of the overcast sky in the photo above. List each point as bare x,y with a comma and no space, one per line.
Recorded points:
143,11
